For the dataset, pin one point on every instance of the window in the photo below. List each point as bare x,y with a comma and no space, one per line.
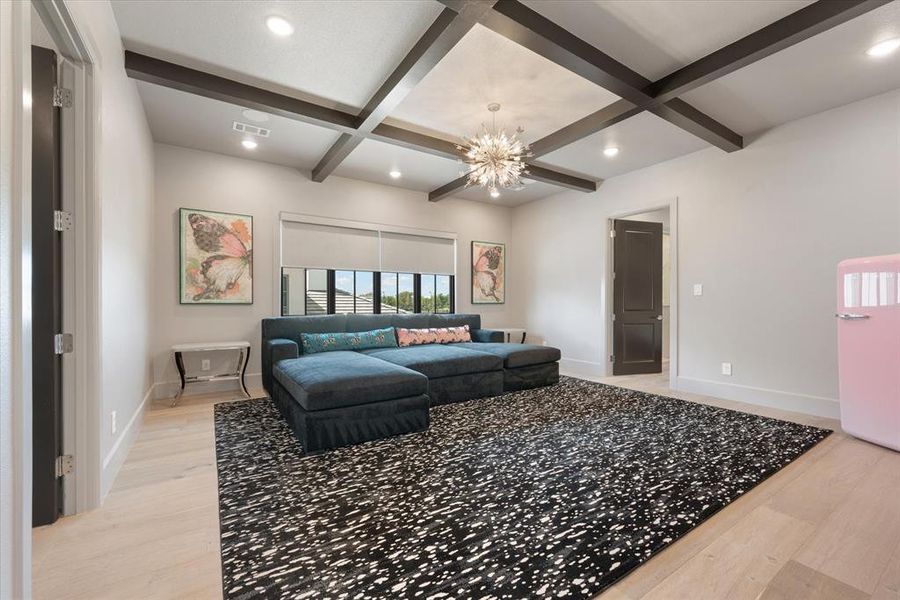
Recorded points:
406,297
316,291
327,291
436,293
427,294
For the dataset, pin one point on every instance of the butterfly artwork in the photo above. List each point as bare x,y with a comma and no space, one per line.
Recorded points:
216,257
488,273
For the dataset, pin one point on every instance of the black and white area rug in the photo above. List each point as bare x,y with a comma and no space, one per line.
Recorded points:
549,493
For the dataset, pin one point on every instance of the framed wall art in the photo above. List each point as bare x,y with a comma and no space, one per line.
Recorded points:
488,273
216,264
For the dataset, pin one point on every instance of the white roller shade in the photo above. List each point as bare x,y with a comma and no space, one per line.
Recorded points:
417,254
327,247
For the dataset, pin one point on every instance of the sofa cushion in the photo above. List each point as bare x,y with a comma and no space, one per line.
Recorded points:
341,378
437,360
516,355
433,335
362,340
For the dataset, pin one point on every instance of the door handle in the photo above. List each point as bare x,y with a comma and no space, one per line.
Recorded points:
659,317
851,316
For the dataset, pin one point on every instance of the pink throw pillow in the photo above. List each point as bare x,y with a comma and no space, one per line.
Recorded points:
433,335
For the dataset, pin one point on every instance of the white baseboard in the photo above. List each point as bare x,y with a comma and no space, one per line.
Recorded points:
114,459
581,368
811,405
168,389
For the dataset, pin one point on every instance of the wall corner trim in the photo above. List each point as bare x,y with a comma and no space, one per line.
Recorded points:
116,456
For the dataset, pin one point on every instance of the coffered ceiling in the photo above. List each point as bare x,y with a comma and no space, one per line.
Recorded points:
540,60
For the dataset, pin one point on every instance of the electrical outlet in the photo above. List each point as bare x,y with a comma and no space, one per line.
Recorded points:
204,364
113,426
698,289
726,368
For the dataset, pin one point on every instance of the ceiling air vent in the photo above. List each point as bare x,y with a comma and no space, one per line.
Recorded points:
251,129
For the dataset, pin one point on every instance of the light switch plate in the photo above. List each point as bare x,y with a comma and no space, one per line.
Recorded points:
726,368
698,289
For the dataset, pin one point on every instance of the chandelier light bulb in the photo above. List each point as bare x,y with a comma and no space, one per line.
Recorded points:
495,193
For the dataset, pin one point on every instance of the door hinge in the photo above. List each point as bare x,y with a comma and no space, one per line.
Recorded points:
612,358
62,220
612,233
614,316
62,97
65,464
63,343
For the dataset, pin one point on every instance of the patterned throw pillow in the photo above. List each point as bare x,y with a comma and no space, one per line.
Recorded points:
433,335
362,340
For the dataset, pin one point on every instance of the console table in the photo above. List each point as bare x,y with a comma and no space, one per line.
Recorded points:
238,375
513,335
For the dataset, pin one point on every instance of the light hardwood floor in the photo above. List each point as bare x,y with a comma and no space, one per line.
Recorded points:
825,527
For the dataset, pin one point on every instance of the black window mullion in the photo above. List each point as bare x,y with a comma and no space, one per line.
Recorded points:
330,285
417,293
376,292
452,294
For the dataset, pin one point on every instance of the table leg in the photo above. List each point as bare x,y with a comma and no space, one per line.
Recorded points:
245,358
179,363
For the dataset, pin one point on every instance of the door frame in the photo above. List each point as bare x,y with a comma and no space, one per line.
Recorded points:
80,137
608,300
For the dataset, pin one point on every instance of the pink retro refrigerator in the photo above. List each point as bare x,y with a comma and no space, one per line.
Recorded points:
868,315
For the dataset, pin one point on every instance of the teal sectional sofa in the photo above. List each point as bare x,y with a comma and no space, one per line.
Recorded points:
338,398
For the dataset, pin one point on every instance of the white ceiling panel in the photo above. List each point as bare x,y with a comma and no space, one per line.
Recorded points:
654,37
183,119
642,140
823,72
485,67
373,161
340,51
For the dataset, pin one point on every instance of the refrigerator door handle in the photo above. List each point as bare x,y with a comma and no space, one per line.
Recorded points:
851,316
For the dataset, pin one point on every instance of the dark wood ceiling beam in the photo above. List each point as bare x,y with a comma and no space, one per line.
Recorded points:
607,116
444,33
448,189
528,28
535,172
414,140
787,31
565,180
186,79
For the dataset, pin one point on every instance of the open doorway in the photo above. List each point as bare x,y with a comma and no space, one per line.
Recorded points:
641,284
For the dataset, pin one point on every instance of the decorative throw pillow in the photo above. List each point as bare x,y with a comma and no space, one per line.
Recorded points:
362,340
433,335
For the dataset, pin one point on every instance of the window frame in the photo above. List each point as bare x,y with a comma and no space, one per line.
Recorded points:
331,291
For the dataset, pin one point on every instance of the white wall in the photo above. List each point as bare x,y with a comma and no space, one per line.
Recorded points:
763,229
195,179
125,165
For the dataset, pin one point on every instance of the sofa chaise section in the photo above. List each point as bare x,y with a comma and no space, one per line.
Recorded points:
525,366
337,399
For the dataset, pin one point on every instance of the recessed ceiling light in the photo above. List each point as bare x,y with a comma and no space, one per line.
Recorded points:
884,48
257,116
395,174
249,144
279,26
495,194
611,151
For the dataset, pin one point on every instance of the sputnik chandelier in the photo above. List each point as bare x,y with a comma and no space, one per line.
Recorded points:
497,160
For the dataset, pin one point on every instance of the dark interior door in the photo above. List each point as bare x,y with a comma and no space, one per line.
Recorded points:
637,291
46,289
